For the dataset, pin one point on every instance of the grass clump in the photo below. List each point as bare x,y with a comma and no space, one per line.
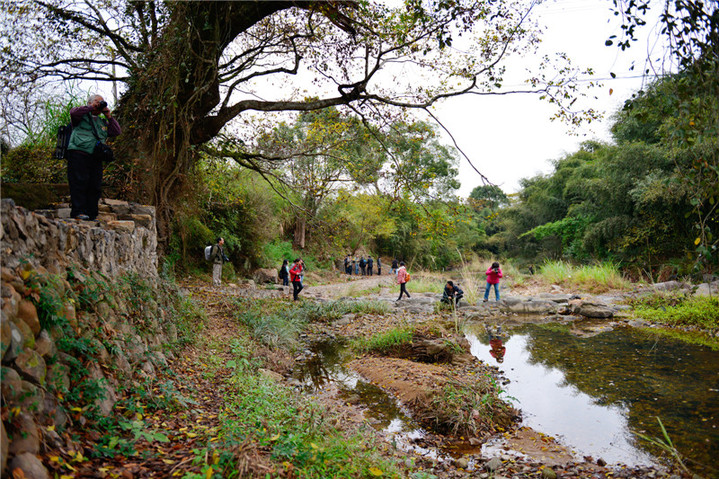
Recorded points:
296,431
679,310
595,278
471,408
383,342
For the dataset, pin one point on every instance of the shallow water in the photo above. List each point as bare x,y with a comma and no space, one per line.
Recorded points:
595,393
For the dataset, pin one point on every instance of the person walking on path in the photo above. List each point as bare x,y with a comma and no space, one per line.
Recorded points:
363,266
296,278
379,267
370,265
285,272
452,293
347,265
394,266
356,265
218,257
493,273
402,278
84,166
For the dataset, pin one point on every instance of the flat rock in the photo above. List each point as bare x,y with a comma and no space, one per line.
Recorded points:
32,365
493,464
531,307
122,226
592,310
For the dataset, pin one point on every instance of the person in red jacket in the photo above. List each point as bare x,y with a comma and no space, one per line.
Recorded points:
296,277
493,274
402,281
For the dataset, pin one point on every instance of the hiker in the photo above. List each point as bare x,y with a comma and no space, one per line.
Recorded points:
84,164
296,278
363,266
493,274
495,342
347,265
402,278
218,257
284,273
452,293
356,265
370,265
379,267
394,266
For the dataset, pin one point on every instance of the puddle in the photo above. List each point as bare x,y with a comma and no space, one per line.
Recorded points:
324,364
594,393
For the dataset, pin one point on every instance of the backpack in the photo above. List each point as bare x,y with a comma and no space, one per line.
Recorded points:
63,140
208,253
406,277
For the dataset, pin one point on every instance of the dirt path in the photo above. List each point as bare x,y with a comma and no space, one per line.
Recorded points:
349,285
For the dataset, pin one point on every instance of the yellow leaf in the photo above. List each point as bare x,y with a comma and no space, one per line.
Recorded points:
209,473
191,434
275,437
76,409
168,461
51,428
24,274
697,241
375,472
313,445
54,458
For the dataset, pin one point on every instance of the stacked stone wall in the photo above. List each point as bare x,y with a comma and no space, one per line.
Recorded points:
93,285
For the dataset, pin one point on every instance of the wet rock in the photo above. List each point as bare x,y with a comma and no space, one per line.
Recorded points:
461,463
30,466
25,436
31,365
548,473
493,464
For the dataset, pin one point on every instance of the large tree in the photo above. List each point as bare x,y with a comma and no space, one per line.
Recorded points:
186,69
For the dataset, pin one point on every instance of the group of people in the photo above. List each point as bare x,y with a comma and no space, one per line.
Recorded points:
364,267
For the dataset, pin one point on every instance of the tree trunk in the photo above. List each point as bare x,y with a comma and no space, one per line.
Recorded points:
300,232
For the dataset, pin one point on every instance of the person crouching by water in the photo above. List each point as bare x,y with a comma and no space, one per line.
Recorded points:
493,273
402,281
296,278
218,257
452,293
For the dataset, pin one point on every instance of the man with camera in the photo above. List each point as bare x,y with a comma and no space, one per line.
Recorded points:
85,154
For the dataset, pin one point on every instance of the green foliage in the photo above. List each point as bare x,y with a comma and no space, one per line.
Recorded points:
383,342
600,277
701,311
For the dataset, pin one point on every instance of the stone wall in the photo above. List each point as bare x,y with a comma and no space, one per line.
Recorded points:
124,238
81,303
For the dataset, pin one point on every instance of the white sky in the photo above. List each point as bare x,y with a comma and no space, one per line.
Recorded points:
511,137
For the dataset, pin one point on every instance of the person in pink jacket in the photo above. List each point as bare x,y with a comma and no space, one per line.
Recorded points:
493,274
402,281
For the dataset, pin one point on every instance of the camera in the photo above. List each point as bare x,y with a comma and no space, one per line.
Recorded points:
102,105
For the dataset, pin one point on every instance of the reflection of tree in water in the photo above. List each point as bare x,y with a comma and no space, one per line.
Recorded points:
327,356
651,376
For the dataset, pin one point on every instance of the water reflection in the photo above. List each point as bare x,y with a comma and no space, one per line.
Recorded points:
592,392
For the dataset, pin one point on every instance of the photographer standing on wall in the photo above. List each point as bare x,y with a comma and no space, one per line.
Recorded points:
85,154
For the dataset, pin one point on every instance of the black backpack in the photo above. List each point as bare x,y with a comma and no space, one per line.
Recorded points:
63,140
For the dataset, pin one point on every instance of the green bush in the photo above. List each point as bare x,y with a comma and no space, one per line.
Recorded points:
693,311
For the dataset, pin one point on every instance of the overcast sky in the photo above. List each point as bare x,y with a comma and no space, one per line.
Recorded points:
511,137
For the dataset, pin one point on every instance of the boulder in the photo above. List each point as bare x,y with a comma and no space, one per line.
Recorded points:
44,345
265,275
30,466
25,436
31,365
58,378
707,289
3,447
122,226
670,286
5,337
27,312
530,307
592,310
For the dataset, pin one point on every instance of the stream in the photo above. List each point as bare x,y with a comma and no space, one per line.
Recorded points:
591,387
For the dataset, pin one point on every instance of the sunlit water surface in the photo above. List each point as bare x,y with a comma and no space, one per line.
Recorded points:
594,393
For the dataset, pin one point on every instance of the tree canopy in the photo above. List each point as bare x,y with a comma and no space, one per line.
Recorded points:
186,69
